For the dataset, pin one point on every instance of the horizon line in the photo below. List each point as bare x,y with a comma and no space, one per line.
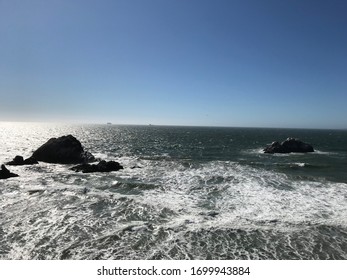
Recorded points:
164,125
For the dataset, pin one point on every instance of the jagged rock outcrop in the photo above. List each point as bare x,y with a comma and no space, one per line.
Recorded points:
19,160
66,150
5,173
290,145
102,166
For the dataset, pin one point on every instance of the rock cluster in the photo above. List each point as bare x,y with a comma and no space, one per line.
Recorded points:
63,150
290,145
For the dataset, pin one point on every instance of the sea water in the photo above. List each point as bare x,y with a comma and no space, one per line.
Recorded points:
184,193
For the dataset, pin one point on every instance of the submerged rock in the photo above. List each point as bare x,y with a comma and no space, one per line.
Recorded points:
19,160
102,166
65,149
5,173
290,145
35,191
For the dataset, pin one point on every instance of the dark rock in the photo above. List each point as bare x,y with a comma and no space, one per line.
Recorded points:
290,145
35,191
102,166
18,160
5,173
212,214
30,160
65,149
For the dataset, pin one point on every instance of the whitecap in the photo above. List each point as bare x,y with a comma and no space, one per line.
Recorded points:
319,152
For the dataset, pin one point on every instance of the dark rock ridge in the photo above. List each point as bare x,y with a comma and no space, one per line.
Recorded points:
102,166
65,149
19,160
5,173
290,145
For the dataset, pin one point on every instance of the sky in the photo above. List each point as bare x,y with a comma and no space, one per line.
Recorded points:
243,63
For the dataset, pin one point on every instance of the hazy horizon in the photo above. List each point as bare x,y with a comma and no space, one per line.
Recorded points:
193,63
64,123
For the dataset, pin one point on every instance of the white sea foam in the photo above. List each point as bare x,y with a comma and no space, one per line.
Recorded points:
300,164
239,193
319,152
100,155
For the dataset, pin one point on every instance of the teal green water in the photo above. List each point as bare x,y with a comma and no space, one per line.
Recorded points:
184,193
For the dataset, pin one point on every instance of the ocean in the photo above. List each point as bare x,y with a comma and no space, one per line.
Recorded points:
184,193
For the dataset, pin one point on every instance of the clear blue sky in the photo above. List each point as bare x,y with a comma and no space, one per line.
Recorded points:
187,62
